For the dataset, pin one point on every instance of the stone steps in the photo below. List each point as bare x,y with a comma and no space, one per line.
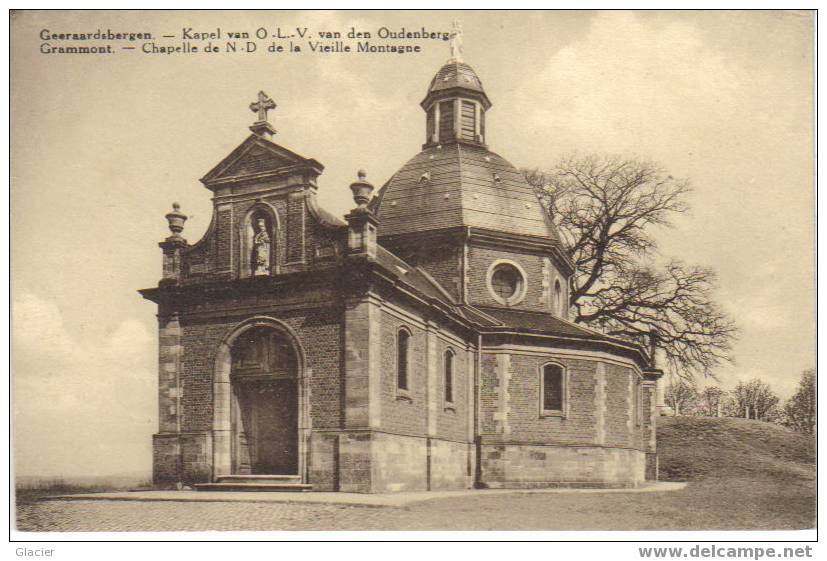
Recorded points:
282,483
250,478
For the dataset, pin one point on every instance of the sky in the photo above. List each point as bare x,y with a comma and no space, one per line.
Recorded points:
103,144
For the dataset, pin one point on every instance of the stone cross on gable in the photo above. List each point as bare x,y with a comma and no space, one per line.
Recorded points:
261,106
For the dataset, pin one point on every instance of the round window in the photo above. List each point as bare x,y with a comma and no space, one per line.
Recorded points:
506,283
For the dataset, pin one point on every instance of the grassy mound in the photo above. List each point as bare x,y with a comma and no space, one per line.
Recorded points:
695,448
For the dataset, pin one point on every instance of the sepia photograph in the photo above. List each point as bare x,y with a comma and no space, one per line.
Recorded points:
420,271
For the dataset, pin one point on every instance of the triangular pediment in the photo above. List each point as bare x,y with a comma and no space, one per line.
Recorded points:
257,157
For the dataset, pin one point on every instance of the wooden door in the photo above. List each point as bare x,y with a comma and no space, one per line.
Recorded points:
265,380
269,417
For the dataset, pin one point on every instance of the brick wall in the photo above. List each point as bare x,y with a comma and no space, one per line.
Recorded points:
224,238
295,228
200,344
319,331
199,258
452,418
537,297
444,263
527,425
223,251
520,396
408,412
618,406
399,414
490,392
599,407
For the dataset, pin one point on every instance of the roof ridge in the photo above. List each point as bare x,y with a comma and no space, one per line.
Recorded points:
481,313
568,322
375,203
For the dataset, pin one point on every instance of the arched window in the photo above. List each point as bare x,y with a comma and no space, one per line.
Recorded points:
448,368
402,343
553,389
558,298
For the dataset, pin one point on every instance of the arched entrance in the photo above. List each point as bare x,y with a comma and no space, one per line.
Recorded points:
258,399
265,407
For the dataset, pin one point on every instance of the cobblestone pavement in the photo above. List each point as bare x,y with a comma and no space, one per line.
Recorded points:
116,516
723,505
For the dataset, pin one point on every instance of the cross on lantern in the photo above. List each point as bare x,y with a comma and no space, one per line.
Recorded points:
261,106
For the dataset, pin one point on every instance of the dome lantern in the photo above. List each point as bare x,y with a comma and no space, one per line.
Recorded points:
456,102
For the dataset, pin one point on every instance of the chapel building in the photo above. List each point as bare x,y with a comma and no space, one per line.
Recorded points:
421,343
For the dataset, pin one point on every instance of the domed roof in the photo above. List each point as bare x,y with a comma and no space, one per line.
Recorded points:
455,74
460,184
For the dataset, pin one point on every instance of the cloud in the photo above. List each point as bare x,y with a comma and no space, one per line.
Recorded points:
628,81
81,407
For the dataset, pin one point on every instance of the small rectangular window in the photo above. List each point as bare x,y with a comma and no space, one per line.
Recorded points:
553,388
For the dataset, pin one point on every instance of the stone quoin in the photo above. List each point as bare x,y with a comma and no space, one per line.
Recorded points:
423,342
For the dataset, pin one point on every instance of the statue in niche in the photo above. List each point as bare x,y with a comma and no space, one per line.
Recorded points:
261,249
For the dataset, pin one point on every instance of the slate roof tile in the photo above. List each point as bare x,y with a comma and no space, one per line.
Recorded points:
460,184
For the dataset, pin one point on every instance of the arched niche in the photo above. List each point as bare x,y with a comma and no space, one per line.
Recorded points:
260,221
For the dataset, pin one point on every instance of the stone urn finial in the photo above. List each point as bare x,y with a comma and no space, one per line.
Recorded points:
362,190
176,220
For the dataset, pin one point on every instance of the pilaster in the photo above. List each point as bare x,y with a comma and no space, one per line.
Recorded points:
649,403
169,364
363,347
504,406
600,404
434,398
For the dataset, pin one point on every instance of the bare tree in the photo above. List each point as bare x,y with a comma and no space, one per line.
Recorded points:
800,410
711,401
605,209
754,400
680,395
